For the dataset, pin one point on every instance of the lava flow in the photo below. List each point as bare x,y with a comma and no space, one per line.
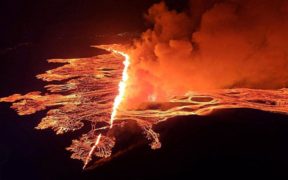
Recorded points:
117,101
93,90
122,86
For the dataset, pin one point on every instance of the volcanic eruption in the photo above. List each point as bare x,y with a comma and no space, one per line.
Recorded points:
217,54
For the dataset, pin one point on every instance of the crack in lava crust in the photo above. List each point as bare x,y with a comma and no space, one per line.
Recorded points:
90,92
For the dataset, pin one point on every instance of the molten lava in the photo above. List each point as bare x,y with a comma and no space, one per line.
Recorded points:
122,86
93,89
91,151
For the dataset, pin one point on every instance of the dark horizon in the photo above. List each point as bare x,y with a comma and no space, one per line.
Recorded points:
31,20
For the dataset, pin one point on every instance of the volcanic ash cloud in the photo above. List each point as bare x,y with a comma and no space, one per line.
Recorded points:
211,45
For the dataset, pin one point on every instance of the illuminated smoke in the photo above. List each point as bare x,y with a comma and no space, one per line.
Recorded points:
214,44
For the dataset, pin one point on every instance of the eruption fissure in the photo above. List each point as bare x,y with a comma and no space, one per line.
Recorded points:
92,150
122,86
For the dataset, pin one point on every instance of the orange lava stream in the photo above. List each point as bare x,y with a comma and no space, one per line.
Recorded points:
122,86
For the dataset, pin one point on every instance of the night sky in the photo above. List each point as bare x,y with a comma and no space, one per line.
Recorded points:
230,143
31,20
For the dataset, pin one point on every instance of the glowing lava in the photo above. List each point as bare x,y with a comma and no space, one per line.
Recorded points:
122,86
91,151
117,101
91,90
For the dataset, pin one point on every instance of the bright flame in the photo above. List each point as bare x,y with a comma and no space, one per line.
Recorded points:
122,86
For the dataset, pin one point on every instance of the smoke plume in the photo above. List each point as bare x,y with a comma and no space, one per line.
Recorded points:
213,44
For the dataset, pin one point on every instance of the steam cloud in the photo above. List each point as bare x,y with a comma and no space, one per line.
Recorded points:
214,44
